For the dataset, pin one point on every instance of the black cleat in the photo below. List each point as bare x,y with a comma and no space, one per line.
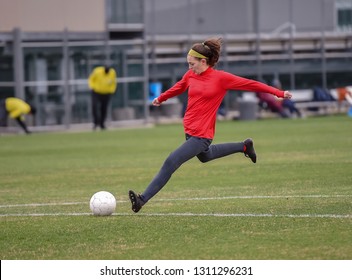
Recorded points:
136,201
250,152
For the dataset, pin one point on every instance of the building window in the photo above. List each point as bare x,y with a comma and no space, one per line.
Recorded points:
123,11
344,15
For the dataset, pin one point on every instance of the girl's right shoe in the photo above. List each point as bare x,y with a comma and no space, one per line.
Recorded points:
136,201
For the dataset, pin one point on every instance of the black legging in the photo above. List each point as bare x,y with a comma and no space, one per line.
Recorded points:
193,146
100,104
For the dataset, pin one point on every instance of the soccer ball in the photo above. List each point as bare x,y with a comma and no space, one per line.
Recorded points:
102,203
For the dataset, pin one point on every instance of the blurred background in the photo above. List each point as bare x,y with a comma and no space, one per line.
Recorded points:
49,47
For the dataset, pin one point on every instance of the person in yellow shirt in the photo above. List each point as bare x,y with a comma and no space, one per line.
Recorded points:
103,82
15,108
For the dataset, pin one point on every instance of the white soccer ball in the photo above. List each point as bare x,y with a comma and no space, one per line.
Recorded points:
102,203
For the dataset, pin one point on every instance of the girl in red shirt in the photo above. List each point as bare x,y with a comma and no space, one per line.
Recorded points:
206,90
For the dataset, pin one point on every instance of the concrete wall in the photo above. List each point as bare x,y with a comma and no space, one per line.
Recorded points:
52,15
236,16
198,16
167,17
306,15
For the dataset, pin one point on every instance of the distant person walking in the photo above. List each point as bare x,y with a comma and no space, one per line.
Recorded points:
206,90
15,108
103,82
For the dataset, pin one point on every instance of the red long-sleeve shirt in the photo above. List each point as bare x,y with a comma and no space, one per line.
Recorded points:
205,94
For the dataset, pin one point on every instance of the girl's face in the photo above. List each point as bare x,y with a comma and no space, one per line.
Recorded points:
197,65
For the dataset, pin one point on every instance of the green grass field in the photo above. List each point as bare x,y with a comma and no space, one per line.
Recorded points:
295,203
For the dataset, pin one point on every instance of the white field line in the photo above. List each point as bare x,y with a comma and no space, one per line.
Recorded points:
333,216
186,199
43,204
337,216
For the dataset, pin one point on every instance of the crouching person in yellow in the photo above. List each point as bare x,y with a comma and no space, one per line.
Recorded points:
15,108
102,81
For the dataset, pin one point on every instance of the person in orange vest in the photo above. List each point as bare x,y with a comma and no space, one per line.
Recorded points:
103,83
15,108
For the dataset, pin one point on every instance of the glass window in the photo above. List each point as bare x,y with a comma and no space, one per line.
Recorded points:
49,104
43,64
127,60
344,14
6,92
6,67
125,11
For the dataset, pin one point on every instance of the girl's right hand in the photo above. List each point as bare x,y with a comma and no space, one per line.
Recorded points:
156,102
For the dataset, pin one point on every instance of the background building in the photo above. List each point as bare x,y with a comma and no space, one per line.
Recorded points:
49,47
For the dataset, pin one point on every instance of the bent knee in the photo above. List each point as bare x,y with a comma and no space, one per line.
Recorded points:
203,159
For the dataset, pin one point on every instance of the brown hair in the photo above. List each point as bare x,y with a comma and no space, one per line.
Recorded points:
209,48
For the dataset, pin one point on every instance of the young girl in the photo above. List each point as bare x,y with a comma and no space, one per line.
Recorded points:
206,90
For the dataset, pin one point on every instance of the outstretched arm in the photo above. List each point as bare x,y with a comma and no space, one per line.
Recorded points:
177,89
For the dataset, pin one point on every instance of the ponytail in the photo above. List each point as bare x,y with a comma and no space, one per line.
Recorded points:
210,48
